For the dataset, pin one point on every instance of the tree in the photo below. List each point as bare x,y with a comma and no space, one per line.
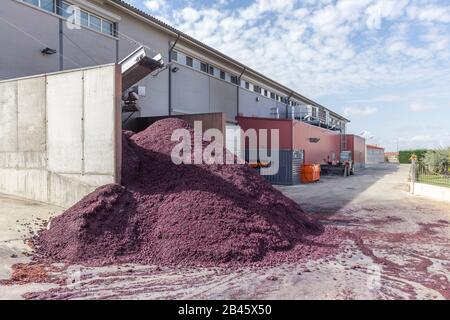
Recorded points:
437,161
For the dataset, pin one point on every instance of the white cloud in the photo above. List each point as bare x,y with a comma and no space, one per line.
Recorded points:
422,138
320,47
154,5
359,111
384,9
430,13
419,107
190,14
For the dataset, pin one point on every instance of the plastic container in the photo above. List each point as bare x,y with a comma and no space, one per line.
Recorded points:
310,173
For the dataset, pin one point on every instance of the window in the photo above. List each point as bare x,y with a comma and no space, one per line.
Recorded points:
95,23
174,56
222,74
204,67
211,70
247,85
322,114
235,80
257,89
189,61
68,11
196,64
33,2
272,95
84,18
107,27
48,5
266,93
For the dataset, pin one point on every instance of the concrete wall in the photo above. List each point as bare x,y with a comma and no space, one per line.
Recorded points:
430,191
60,134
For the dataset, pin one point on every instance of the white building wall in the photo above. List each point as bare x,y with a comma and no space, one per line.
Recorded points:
374,156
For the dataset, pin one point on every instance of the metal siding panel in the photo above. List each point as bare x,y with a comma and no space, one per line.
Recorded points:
289,168
20,54
190,91
223,98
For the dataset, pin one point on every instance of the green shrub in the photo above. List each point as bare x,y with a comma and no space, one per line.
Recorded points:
437,161
405,156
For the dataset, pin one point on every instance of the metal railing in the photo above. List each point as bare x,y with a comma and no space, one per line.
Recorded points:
421,174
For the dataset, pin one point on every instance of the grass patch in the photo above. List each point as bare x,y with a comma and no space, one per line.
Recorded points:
443,181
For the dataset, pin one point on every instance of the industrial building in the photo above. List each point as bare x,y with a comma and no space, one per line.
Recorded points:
48,61
374,154
37,39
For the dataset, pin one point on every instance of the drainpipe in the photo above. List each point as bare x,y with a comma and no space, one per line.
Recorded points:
170,73
287,103
117,43
237,90
61,45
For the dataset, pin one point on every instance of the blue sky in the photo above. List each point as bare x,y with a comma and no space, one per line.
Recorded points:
385,64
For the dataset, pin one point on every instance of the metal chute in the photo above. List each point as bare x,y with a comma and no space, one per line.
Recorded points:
137,66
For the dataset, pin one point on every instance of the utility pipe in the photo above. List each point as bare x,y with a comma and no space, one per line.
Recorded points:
170,73
237,90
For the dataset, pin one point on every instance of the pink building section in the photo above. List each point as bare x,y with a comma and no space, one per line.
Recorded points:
319,144
357,145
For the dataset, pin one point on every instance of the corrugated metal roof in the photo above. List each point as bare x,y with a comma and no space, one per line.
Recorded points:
187,37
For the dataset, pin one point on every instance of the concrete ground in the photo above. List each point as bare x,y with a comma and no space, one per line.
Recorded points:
400,250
